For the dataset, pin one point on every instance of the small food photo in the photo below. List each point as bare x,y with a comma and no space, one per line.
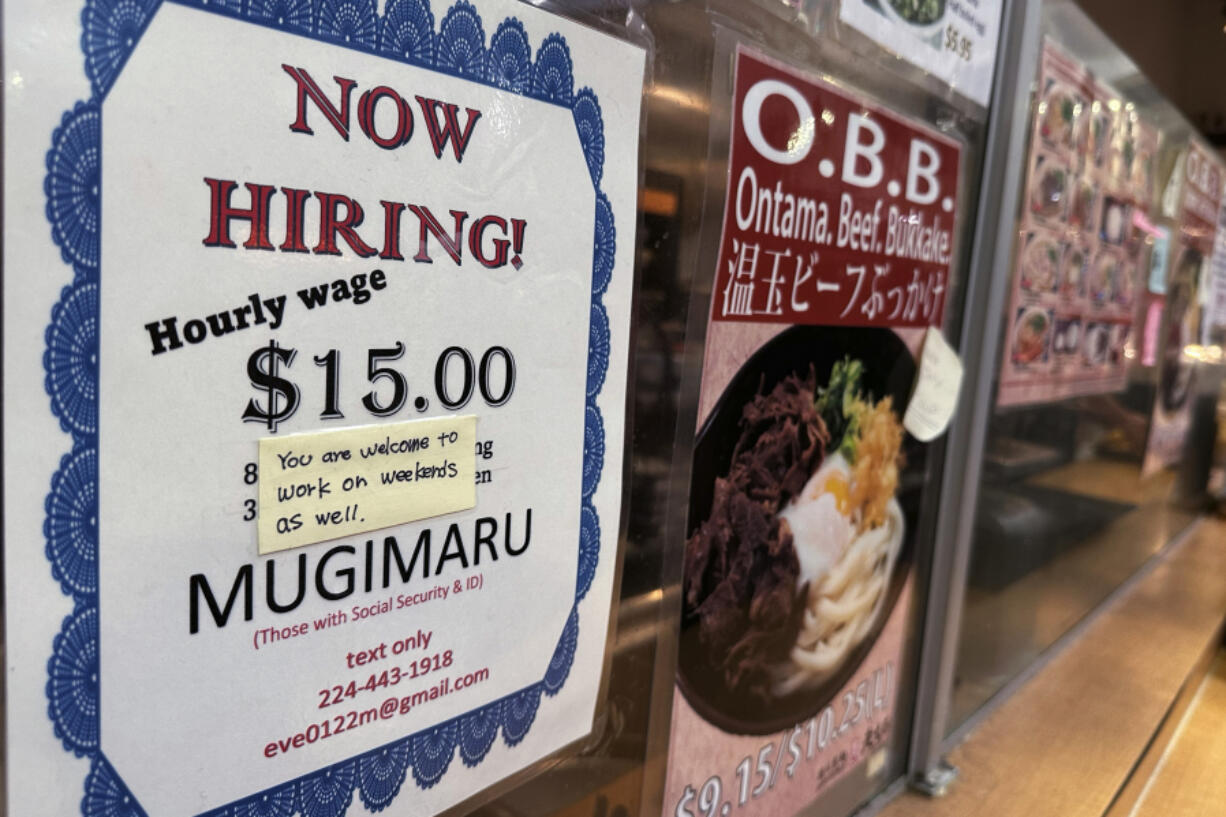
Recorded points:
1083,207
1125,284
1103,280
1143,176
1120,147
1032,332
923,16
1117,221
1066,336
1072,281
1124,162
800,525
1049,188
1099,134
1121,337
1059,111
1096,344
1040,272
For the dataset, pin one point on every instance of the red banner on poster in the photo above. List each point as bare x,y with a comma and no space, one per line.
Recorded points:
1201,199
839,212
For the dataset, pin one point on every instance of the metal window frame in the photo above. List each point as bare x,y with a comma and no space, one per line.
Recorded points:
980,344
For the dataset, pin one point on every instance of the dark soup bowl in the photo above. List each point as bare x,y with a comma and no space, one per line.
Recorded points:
889,370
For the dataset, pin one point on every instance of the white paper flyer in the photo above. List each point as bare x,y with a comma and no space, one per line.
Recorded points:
953,39
403,231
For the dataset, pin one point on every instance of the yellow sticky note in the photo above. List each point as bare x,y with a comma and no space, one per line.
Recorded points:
936,389
328,484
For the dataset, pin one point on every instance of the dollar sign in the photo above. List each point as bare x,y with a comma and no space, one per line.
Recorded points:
282,394
683,805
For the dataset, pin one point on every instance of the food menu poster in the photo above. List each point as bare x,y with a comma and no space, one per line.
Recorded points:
315,341
1214,324
955,40
835,255
1082,258
1193,250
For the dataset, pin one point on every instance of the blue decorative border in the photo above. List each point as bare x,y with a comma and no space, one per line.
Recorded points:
405,33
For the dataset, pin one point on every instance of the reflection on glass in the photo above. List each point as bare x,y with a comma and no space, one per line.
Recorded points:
1096,393
1064,517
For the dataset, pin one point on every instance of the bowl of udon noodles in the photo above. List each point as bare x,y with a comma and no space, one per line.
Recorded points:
804,501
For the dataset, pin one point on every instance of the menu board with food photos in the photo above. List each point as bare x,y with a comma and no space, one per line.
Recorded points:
837,245
1079,250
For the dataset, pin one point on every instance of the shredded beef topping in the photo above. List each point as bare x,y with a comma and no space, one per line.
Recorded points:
741,568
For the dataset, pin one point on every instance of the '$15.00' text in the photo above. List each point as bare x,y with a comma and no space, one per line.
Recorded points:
457,375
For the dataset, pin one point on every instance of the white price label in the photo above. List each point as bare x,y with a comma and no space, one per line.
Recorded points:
936,389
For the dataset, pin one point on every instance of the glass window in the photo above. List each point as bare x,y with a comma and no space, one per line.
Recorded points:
1100,389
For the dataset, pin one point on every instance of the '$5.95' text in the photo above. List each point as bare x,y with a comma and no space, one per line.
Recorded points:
757,775
958,43
457,376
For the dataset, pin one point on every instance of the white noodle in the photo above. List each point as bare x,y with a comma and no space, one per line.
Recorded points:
843,606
